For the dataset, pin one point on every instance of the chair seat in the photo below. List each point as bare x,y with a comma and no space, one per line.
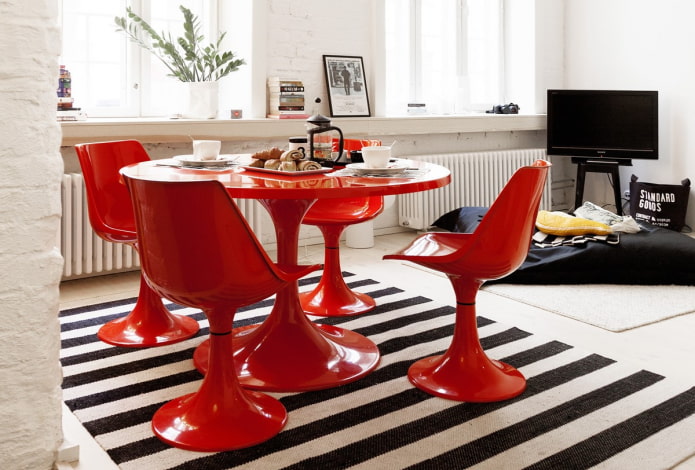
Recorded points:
345,211
128,238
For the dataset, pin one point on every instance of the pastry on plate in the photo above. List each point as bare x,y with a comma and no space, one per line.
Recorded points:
272,164
306,165
288,166
268,154
292,155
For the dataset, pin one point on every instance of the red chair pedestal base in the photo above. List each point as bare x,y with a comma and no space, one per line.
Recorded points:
148,324
331,300
332,297
221,415
258,418
440,376
464,372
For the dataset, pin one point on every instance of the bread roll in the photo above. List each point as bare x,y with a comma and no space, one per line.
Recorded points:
288,166
292,155
272,164
306,165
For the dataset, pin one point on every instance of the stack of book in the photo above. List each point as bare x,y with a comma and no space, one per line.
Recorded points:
286,99
67,111
66,103
74,114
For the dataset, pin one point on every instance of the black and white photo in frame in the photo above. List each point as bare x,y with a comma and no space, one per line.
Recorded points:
346,84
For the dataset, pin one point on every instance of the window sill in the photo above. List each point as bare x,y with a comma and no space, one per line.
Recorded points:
178,130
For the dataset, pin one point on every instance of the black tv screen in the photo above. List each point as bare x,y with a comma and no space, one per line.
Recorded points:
611,125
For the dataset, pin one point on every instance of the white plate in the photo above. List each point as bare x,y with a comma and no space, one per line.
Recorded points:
361,169
222,161
287,173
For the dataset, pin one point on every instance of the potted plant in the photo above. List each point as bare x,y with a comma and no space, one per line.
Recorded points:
187,58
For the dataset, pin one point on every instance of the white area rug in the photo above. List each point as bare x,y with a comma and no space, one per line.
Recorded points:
609,306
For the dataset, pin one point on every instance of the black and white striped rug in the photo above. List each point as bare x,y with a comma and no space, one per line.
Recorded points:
580,409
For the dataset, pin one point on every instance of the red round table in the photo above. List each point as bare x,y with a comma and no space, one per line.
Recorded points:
288,352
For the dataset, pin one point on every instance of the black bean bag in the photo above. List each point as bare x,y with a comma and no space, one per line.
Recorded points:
653,256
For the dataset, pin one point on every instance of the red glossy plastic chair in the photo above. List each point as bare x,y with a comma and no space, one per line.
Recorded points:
332,296
498,246
199,251
111,217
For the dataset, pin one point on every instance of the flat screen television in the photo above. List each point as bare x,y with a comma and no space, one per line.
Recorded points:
603,125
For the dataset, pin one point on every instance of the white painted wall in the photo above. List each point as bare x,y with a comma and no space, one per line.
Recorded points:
29,191
639,44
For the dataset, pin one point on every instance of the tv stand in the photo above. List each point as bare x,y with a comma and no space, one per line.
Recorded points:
598,166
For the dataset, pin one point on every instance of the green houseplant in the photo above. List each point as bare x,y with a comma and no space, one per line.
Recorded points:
186,57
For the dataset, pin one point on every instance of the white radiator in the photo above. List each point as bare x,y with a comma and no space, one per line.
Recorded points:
476,180
86,254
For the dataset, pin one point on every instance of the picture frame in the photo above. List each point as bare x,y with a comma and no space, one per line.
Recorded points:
347,86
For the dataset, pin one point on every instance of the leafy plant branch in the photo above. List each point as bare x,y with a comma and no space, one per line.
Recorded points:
186,57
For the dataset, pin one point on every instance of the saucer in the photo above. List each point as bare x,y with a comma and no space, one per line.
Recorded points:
391,170
221,161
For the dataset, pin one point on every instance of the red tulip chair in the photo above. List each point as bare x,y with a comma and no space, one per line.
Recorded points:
332,296
111,217
198,250
496,248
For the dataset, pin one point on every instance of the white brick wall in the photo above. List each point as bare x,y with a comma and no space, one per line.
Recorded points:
29,216
300,32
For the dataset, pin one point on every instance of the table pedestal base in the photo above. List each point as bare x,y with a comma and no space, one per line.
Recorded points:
287,352
296,357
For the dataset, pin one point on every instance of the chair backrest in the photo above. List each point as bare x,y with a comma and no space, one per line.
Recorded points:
196,247
355,144
346,211
325,211
502,239
108,202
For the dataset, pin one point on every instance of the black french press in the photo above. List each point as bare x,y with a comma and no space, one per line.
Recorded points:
320,139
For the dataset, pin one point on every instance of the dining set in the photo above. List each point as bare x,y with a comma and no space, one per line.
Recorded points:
197,249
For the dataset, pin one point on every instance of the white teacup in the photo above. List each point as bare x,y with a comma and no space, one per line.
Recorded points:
206,149
376,156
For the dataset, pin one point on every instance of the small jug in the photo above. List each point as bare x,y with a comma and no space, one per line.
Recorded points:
298,143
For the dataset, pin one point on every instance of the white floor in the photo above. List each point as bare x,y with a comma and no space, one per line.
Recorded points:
666,347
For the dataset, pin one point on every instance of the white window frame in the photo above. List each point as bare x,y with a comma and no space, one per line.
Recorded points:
406,79
137,84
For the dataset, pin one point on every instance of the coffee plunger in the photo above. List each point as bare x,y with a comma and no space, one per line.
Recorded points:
320,136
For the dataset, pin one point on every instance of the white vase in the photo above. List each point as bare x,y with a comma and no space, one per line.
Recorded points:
202,100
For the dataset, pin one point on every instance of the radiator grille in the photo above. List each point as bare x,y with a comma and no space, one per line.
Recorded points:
87,254
476,180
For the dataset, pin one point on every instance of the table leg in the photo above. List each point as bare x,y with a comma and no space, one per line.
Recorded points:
287,352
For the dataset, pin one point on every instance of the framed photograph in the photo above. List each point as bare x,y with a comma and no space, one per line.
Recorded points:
347,86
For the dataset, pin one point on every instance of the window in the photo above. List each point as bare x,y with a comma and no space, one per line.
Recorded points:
111,77
447,54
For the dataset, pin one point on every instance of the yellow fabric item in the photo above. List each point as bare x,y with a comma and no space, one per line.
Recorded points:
561,224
